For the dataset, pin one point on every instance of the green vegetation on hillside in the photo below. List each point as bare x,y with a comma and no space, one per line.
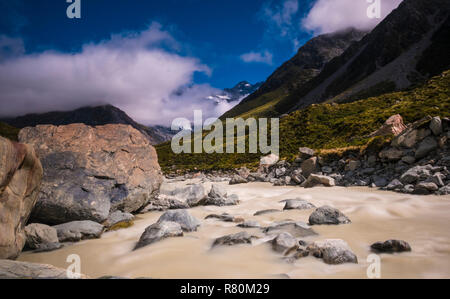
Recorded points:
8,131
329,126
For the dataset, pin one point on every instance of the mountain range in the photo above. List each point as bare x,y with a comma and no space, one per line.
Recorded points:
408,47
238,92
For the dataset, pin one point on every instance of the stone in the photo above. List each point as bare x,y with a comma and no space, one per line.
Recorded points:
305,153
425,188
328,215
315,180
438,178
78,230
264,212
436,125
234,239
412,134
444,190
236,180
118,219
298,204
309,166
193,195
225,217
428,145
230,200
243,172
327,169
23,270
20,178
296,229
333,251
380,182
284,243
269,160
416,173
47,247
158,231
188,223
409,159
392,126
90,171
249,224
391,246
217,191
394,185
38,234
391,154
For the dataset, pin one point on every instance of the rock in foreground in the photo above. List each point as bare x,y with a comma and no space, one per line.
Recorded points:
234,239
328,215
20,178
391,246
90,171
78,230
187,221
22,270
159,231
38,235
333,251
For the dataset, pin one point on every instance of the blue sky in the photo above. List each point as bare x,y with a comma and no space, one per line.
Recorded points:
156,60
217,32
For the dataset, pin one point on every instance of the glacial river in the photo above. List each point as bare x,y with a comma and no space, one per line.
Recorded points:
423,221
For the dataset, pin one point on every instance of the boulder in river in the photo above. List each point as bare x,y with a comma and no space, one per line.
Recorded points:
20,179
333,251
234,239
78,230
249,224
236,180
296,229
159,231
118,219
225,217
328,215
284,243
90,171
187,221
264,212
38,235
298,204
391,246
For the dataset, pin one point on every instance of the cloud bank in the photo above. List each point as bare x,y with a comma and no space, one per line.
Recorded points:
332,15
259,57
139,72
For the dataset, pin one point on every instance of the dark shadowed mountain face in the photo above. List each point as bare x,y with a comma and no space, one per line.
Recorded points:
92,116
407,47
304,66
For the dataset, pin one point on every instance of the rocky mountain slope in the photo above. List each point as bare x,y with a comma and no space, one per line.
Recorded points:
92,116
406,48
304,66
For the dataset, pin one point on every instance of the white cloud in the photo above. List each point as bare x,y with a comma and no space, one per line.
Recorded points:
281,16
333,15
259,57
134,71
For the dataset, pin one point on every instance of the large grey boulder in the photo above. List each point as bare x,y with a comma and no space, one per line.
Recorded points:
234,239
23,270
333,251
159,231
187,221
328,215
218,197
20,179
78,230
38,235
90,171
